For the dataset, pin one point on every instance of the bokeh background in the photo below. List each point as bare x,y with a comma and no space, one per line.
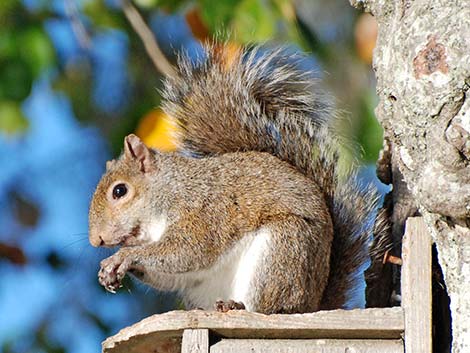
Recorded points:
74,80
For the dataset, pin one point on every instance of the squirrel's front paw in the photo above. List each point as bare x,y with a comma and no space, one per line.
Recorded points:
112,271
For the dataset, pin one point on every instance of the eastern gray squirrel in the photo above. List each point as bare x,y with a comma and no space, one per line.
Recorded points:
252,208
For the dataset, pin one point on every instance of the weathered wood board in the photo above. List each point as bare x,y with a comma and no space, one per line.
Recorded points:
195,341
416,286
307,346
165,331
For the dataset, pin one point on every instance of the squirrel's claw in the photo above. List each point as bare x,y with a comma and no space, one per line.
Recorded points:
112,271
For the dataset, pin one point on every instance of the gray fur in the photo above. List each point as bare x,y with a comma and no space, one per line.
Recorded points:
264,102
259,153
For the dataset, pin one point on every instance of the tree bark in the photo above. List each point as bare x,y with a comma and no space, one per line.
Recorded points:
422,64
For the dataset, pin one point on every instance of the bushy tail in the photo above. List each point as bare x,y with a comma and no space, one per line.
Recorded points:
262,101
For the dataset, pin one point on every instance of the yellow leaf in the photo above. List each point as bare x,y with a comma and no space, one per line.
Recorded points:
157,130
365,35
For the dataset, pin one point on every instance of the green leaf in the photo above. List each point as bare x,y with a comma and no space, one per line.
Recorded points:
6,6
146,4
101,15
12,120
36,49
370,132
254,21
7,44
16,79
217,14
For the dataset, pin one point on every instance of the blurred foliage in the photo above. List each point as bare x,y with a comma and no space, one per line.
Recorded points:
95,61
12,120
26,51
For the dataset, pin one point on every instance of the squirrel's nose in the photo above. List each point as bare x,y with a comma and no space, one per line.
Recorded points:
96,241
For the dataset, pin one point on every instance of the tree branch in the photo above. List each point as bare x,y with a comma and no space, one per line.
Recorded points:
77,25
159,60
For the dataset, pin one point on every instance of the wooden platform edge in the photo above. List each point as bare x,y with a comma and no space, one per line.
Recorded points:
376,323
416,286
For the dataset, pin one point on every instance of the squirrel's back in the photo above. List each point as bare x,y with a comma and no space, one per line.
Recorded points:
263,101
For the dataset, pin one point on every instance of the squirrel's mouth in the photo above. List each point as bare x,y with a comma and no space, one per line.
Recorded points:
131,238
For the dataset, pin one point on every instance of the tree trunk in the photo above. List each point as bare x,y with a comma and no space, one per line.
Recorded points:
422,64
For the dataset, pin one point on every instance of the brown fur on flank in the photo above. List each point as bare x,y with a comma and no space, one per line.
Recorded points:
257,166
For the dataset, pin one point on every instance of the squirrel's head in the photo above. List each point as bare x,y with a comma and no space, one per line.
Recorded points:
122,195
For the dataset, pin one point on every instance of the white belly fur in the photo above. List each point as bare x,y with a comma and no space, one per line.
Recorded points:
231,277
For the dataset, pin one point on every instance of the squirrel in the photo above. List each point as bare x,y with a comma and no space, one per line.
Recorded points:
252,209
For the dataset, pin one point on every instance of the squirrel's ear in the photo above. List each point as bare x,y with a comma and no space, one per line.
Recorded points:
135,149
109,165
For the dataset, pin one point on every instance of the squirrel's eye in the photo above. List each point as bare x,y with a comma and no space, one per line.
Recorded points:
119,191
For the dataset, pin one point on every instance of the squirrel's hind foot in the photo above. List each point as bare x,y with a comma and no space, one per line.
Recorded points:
225,306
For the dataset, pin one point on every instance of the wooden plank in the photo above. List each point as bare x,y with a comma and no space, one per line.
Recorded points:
307,346
416,286
163,342
358,323
162,345
195,341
